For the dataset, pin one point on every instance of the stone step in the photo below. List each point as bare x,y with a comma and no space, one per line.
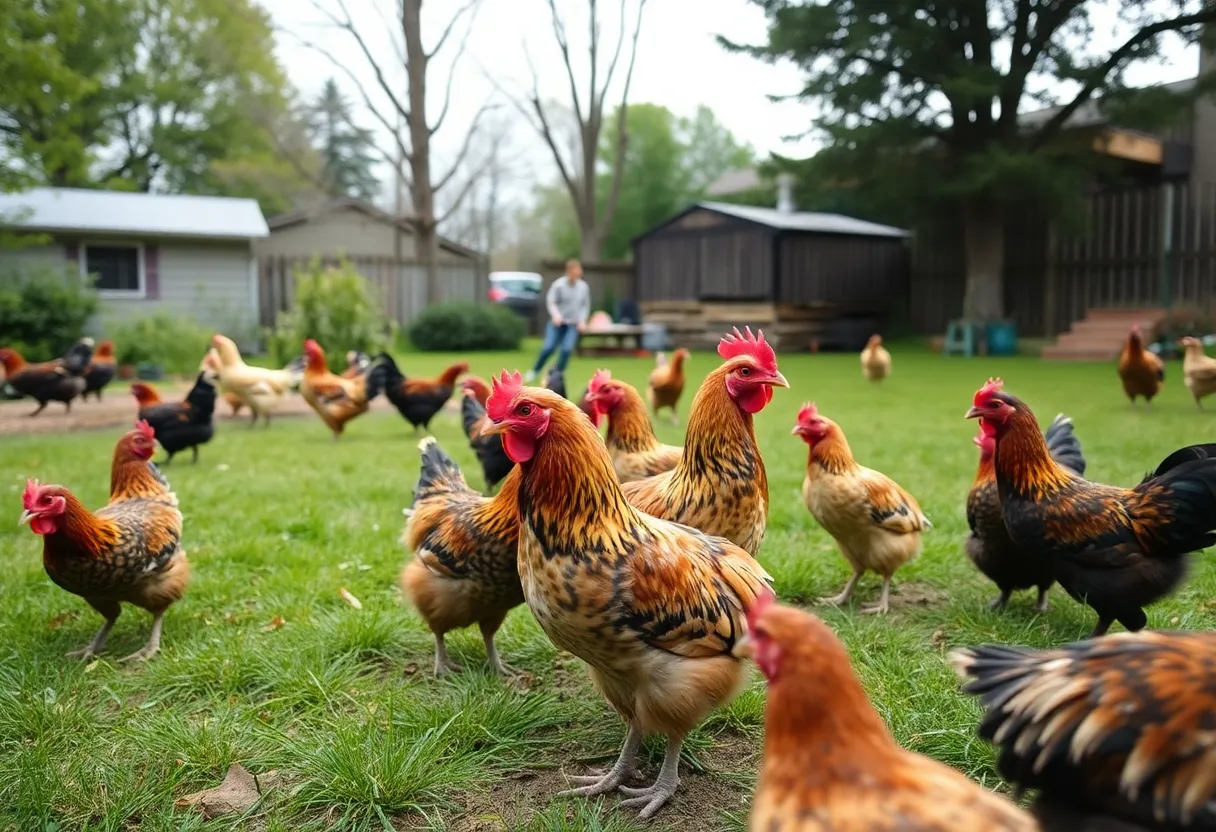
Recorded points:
1056,353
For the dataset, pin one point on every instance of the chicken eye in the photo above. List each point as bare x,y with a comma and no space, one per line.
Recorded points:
993,405
525,410
745,371
46,500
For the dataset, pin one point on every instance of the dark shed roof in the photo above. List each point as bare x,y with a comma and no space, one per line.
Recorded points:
805,221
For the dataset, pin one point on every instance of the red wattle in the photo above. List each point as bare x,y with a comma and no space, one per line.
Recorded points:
519,448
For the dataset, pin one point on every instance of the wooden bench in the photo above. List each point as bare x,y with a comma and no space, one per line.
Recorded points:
610,340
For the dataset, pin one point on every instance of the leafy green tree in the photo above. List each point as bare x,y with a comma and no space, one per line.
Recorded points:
710,150
347,152
915,98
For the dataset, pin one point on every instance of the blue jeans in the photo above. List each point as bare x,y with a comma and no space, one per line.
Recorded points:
564,336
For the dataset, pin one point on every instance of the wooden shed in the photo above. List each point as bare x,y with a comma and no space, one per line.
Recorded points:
802,276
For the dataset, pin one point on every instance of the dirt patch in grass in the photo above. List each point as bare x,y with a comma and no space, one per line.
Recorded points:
911,594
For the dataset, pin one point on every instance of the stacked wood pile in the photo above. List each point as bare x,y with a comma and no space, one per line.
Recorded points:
699,325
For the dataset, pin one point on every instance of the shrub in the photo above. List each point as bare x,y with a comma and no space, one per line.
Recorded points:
463,326
44,310
176,344
336,306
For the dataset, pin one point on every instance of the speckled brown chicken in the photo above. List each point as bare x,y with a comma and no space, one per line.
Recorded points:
127,552
635,450
465,546
654,608
1115,733
720,485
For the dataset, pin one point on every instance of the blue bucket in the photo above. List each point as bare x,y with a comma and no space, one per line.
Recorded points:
1002,338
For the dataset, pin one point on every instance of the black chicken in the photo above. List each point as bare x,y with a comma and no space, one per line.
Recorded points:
185,424
495,463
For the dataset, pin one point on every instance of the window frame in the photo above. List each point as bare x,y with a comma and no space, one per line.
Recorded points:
140,268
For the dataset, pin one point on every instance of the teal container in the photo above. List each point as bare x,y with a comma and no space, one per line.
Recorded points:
1002,338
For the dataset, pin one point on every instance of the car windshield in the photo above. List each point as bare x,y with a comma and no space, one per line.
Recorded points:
517,284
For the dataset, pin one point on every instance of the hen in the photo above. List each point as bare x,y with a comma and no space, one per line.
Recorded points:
61,380
875,360
495,464
1115,731
636,452
1141,371
876,524
653,607
356,364
988,546
556,381
127,552
1198,370
479,389
260,389
101,370
1114,549
830,764
419,399
180,425
666,384
335,399
464,568
211,361
719,485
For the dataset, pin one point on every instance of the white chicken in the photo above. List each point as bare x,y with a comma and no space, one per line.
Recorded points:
261,389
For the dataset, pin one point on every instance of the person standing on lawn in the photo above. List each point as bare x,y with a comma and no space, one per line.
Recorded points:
569,305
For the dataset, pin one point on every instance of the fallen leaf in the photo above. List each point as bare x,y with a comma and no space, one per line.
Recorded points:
1175,621
239,791
344,565
410,669
276,623
938,639
59,620
91,666
346,596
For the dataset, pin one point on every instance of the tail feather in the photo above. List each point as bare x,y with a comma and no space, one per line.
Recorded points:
1188,454
1188,523
375,380
439,475
1063,445
471,412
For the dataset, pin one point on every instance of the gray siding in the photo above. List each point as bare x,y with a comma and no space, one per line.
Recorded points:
340,232
33,256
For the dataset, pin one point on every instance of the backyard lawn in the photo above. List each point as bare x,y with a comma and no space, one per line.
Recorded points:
264,663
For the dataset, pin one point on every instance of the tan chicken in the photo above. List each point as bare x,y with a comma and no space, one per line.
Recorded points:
666,384
636,452
1141,371
875,360
260,389
335,399
1198,370
211,362
876,524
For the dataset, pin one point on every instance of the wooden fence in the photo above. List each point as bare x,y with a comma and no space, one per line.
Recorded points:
401,284
1115,255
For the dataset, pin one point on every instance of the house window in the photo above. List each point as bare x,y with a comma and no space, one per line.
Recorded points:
118,270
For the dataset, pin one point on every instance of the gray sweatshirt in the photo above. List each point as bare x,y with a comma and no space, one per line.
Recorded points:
569,304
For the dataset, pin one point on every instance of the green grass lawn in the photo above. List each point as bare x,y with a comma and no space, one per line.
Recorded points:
264,663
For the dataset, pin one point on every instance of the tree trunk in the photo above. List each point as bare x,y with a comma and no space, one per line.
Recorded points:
590,245
427,240
984,233
421,190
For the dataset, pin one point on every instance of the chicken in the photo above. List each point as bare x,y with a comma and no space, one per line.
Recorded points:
464,567
61,380
875,522
127,552
719,485
1114,549
556,381
666,384
335,399
653,607
495,464
101,370
1008,566
636,452
830,764
260,389
356,364
184,424
479,389
1198,371
419,399
1142,372
1119,731
875,360
211,361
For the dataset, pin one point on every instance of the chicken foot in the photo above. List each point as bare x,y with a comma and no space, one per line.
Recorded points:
1040,604
496,662
1001,600
444,665
622,769
651,799
884,599
846,593
110,610
153,646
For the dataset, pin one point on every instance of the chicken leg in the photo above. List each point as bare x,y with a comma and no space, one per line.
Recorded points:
110,610
651,799
496,663
153,646
444,665
846,593
592,785
1001,600
1041,605
884,599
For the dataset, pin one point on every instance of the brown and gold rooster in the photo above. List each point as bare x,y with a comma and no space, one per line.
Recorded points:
720,485
636,452
666,384
335,399
1115,733
127,552
653,607
1114,549
465,548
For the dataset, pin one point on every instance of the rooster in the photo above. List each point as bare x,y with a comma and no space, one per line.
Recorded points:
419,399
653,607
988,546
180,425
1141,371
830,764
464,567
719,485
260,389
1118,730
666,383
875,360
335,399
127,552
101,370
636,452
495,464
1114,549
61,380
875,522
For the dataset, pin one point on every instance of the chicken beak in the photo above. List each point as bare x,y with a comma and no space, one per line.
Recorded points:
494,429
974,413
26,516
742,648
797,430
778,380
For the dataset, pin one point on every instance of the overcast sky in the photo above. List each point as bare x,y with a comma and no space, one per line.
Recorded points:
679,64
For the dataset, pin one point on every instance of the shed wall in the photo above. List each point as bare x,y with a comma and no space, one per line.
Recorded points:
839,269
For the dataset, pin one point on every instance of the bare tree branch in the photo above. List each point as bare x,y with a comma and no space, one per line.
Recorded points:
469,184
616,53
473,6
546,133
447,90
348,25
559,32
622,128
464,146
389,26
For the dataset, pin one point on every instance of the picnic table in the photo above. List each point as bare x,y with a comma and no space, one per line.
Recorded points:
612,339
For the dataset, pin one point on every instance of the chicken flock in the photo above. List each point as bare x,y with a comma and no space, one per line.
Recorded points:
640,559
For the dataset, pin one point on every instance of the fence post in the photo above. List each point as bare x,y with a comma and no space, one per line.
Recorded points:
1167,244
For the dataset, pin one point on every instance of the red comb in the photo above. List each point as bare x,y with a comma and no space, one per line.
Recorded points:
598,380
30,497
765,598
506,386
808,412
143,427
310,344
982,395
735,344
